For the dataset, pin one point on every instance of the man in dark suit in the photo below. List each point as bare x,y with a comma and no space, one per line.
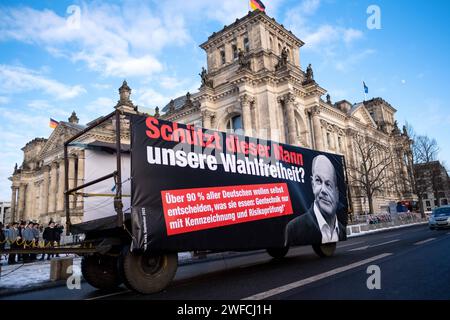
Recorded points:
319,224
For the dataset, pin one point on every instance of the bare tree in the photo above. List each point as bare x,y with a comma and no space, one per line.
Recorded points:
425,149
369,171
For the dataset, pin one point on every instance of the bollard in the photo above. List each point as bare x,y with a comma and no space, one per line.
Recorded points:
58,268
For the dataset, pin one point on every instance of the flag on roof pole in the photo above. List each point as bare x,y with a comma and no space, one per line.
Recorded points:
366,91
257,5
53,123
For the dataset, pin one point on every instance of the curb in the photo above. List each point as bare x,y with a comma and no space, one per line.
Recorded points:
211,257
364,233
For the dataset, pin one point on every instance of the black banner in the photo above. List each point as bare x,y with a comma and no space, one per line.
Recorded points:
197,189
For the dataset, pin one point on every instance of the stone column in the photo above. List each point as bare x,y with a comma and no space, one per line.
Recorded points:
21,202
246,114
80,177
13,203
45,192
318,140
292,128
60,195
207,121
52,188
72,182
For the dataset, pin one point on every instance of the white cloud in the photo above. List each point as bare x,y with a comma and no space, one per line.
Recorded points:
99,107
353,59
351,35
150,98
101,86
172,82
322,38
4,100
111,39
19,79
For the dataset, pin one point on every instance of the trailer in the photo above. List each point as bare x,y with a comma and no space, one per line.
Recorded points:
177,188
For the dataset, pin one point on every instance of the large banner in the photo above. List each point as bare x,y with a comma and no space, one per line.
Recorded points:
197,189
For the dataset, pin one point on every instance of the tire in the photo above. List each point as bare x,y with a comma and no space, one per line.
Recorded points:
146,273
325,250
278,253
101,271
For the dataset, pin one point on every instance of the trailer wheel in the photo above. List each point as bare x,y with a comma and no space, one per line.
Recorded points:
325,250
146,273
278,253
101,271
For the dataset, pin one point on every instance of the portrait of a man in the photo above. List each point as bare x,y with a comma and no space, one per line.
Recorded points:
319,225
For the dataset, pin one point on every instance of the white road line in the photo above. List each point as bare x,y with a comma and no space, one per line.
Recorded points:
108,295
301,283
424,241
382,244
375,245
350,244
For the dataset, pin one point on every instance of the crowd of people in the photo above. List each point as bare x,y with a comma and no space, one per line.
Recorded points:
23,235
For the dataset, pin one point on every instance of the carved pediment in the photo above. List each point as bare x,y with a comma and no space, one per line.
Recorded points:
363,115
56,140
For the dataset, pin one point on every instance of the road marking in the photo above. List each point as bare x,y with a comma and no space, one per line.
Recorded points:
375,245
301,283
424,241
350,244
108,295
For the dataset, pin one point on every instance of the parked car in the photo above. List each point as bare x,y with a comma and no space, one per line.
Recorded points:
440,218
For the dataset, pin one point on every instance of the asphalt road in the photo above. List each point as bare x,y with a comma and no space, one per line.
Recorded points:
414,263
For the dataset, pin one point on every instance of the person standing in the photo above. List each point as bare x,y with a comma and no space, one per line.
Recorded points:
13,237
49,238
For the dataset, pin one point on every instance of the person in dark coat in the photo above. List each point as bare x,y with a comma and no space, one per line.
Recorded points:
49,237
319,224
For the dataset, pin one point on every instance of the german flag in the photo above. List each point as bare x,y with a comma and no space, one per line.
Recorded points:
53,123
257,5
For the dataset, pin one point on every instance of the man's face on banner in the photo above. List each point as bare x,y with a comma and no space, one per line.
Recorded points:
324,186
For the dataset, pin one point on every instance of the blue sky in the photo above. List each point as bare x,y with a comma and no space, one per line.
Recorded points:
52,63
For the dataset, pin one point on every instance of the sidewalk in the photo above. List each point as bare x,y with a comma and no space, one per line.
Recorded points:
21,278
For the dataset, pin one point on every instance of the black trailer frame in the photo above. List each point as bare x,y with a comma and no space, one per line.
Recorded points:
117,174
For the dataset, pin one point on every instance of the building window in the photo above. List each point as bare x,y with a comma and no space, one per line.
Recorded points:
428,203
271,43
235,123
246,44
444,202
329,140
234,48
222,55
428,209
340,143
425,196
435,203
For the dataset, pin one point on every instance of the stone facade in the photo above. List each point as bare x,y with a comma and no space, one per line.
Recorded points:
254,82
5,211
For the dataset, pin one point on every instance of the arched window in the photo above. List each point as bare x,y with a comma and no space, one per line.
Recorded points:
235,123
